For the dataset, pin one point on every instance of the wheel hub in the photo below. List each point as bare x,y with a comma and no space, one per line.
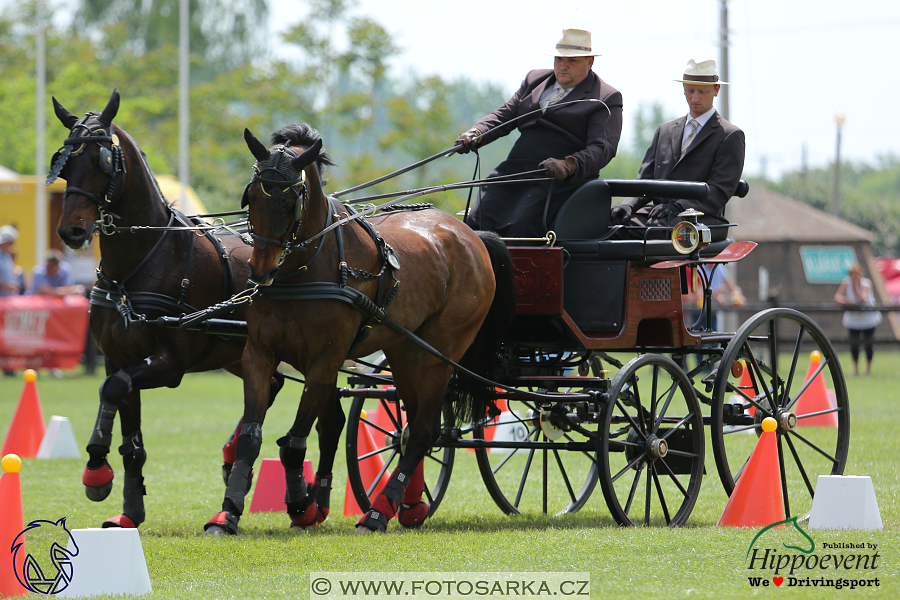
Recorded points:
657,447
787,421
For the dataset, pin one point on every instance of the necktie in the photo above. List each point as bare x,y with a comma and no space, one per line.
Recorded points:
556,97
690,138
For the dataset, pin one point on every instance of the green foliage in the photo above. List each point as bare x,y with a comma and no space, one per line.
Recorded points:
869,197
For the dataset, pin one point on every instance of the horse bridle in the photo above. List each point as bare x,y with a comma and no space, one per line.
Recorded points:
280,162
112,159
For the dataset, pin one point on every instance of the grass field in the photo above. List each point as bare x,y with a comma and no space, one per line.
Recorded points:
185,428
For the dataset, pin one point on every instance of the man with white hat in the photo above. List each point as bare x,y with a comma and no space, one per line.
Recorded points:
569,121
700,146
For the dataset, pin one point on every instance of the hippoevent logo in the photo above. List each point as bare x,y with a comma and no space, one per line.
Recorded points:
783,554
47,568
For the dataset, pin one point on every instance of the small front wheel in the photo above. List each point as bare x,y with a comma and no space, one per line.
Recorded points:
652,444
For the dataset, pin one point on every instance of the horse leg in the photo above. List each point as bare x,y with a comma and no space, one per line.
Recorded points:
228,450
302,504
121,391
98,475
413,510
405,485
258,366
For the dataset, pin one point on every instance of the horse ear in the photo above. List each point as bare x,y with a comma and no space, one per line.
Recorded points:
259,150
111,109
307,158
64,116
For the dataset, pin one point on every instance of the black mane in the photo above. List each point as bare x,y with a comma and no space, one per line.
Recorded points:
301,134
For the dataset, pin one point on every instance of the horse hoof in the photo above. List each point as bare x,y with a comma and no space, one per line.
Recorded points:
363,530
123,521
223,523
308,519
413,515
98,483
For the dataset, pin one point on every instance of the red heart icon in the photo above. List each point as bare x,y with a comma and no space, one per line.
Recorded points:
777,580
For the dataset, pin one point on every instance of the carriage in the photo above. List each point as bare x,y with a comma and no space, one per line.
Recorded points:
569,407
582,301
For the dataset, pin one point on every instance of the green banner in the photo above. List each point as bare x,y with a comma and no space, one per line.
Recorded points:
826,264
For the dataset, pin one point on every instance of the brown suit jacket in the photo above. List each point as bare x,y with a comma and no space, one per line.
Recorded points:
716,157
594,127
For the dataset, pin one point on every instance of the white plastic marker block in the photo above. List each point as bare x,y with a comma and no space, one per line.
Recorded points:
509,429
58,440
109,561
845,502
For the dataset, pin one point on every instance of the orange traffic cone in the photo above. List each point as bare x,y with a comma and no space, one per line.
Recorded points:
11,525
27,427
368,467
815,398
756,500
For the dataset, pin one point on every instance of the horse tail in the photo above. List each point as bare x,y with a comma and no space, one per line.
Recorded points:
471,397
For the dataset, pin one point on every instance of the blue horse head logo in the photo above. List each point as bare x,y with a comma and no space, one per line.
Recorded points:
29,570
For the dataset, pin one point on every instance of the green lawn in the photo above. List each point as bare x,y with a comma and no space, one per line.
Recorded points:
185,428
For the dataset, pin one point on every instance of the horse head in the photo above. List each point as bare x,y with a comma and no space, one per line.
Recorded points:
92,162
48,542
286,188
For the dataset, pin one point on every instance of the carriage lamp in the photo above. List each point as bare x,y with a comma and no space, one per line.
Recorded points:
690,235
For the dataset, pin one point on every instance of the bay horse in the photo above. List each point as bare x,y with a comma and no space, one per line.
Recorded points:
165,269
328,287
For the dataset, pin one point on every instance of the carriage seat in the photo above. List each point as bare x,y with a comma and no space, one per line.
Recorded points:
582,223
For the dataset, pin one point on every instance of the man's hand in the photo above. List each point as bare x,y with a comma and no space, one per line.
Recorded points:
469,140
621,214
560,169
665,212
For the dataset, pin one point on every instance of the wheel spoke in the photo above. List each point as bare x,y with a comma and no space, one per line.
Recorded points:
662,413
794,360
633,491
773,357
565,477
648,496
673,477
833,459
758,373
784,490
381,473
524,478
808,383
634,425
396,420
381,450
799,464
509,455
659,492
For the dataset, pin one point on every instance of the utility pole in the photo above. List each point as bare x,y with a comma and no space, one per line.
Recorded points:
40,164
723,59
184,83
836,192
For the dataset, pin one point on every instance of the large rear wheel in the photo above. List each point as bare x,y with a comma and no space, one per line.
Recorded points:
781,364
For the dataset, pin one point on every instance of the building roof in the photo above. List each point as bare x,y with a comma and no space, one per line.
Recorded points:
767,216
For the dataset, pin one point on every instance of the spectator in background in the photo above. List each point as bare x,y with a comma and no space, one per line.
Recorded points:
9,280
54,277
855,292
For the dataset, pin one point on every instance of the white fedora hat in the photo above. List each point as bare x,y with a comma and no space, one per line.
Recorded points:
574,42
701,73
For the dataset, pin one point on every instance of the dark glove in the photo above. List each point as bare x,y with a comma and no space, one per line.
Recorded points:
664,214
560,169
469,140
621,214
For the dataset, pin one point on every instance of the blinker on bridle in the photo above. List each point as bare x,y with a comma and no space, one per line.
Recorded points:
279,162
111,162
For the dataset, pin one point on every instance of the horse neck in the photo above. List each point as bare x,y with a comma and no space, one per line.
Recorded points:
137,202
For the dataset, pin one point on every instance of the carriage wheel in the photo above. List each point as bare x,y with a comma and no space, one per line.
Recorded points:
813,420
525,479
380,453
652,444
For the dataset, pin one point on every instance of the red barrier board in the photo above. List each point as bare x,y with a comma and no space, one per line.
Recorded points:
42,331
